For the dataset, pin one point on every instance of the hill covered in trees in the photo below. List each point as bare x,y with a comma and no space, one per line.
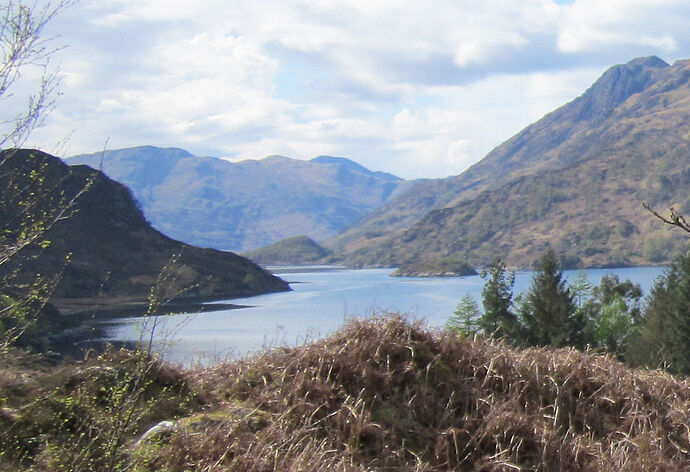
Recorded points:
290,251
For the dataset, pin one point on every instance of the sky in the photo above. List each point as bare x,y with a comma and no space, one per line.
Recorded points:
417,89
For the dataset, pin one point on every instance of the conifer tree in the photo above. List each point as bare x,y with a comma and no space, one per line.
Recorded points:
497,295
465,319
663,339
549,313
581,288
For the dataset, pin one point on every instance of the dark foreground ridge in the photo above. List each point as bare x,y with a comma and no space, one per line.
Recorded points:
381,394
115,257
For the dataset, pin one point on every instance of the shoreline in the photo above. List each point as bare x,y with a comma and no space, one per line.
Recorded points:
85,331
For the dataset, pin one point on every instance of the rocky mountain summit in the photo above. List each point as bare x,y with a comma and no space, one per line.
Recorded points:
576,179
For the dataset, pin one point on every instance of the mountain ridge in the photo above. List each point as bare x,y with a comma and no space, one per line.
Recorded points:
591,162
248,204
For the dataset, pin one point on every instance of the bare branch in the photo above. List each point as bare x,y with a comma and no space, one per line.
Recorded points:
674,218
24,46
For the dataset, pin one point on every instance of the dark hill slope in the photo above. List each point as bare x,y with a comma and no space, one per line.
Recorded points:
575,179
115,254
245,205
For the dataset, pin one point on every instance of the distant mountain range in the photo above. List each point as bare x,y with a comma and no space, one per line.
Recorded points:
115,255
575,180
242,206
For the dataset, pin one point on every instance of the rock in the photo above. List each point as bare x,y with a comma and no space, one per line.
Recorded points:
162,430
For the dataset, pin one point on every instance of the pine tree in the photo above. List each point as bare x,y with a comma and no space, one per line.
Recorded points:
581,288
663,339
549,313
498,318
465,319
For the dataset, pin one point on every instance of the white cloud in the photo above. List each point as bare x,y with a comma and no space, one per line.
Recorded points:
588,25
480,49
415,88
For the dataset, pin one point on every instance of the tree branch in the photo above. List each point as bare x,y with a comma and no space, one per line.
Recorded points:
674,218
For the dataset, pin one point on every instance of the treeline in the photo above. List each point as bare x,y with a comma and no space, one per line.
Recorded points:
609,317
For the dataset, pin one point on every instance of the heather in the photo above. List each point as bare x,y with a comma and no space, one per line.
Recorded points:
380,394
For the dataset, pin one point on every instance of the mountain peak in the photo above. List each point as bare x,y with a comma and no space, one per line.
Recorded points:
342,161
617,84
351,165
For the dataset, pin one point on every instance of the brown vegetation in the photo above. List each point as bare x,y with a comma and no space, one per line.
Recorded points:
388,395
575,179
380,394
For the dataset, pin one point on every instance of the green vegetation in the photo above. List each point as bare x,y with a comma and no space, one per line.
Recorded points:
290,251
464,318
83,416
29,203
379,394
608,318
497,295
548,312
663,338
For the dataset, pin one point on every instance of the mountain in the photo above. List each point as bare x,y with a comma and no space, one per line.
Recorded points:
291,251
575,179
241,206
114,254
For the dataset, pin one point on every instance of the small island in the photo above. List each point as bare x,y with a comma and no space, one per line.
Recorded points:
452,266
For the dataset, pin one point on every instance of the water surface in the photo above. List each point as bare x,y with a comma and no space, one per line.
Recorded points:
321,300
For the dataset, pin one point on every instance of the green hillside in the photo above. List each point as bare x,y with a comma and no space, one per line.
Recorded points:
290,251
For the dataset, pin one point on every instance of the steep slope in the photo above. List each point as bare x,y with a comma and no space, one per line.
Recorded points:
575,179
559,140
115,255
242,206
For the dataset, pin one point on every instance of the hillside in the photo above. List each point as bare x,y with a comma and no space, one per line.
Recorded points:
377,395
576,179
290,251
115,255
242,206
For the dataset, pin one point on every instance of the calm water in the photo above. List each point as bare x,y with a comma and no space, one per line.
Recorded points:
319,304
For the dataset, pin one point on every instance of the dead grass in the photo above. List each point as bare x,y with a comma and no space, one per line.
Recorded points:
386,394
